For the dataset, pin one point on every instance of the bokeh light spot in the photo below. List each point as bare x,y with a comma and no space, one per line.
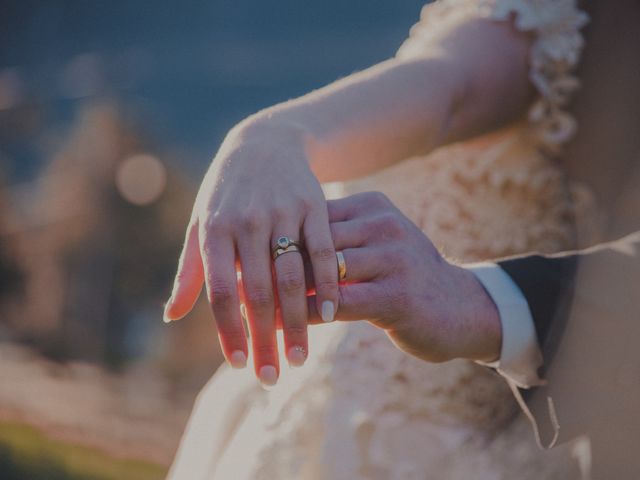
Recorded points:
141,179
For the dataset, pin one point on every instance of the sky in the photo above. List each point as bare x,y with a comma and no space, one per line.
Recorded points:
185,70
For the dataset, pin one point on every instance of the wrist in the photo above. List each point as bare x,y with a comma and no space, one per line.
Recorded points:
274,133
480,320
272,126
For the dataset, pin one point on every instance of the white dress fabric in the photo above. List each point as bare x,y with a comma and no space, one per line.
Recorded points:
360,409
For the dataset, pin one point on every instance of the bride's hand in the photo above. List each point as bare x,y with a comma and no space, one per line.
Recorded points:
398,280
259,187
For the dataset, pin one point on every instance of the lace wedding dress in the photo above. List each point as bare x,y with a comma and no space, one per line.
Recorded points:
361,409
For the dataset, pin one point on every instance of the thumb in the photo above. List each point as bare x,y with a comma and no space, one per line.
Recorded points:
189,278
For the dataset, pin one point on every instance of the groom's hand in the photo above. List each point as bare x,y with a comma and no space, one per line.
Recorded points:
398,280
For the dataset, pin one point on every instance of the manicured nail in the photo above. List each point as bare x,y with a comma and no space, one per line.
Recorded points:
296,356
327,311
238,359
268,375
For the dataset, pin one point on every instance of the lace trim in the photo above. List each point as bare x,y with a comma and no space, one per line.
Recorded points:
554,54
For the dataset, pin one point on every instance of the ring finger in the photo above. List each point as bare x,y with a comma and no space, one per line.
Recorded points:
291,290
364,264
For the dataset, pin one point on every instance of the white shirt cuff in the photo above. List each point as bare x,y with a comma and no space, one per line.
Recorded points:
520,355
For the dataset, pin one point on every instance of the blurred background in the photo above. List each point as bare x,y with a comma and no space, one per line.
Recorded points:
109,114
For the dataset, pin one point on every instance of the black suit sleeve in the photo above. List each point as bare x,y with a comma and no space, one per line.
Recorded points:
548,283
585,307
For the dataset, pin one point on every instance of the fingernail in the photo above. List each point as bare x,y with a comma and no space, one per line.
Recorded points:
268,375
296,356
238,359
327,311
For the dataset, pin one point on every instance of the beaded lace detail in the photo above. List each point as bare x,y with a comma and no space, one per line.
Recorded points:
360,408
554,53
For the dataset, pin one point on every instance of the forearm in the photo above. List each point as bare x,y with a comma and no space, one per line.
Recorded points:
374,118
471,79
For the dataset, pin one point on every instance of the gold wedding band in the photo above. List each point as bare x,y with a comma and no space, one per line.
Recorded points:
342,266
285,245
281,251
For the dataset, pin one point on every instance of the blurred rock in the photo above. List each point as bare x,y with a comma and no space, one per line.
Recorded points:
133,415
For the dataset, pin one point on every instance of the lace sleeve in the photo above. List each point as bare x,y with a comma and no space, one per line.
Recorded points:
555,52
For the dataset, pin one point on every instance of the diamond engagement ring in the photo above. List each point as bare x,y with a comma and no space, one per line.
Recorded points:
285,245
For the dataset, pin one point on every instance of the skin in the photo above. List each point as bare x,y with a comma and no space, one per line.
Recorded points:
264,182
397,279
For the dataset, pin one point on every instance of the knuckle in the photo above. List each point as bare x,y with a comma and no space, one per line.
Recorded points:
232,335
390,224
369,226
251,220
290,281
378,199
296,331
310,203
327,286
260,297
215,224
323,253
265,350
389,219
280,213
222,295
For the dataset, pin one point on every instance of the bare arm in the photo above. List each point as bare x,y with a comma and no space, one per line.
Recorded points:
263,184
472,78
